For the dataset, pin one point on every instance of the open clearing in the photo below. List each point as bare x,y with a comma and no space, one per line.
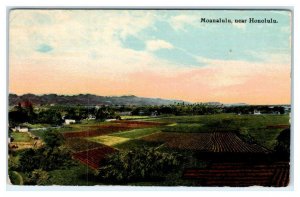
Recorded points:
21,137
108,140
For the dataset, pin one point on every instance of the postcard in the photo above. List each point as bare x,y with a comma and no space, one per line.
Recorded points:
149,97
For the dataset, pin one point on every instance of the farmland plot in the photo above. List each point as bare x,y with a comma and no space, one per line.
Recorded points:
241,174
111,128
108,140
80,144
207,142
136,133
93,157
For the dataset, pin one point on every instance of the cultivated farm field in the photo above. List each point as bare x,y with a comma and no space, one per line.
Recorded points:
218,150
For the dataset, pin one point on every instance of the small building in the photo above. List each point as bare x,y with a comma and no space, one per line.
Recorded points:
110,120
154,114
69,121
91,117
256,112
24,129
287,109
20,129
125,113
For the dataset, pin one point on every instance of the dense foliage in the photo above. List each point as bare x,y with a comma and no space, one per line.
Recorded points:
53,138
138,164
37,177
43,158
36,163
283,143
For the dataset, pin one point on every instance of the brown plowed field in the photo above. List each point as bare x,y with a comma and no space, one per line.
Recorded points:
107,129
93,157
241,174
81,144
279,126
218,142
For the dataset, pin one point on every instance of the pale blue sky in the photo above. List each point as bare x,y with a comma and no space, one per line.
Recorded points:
152,53
216,41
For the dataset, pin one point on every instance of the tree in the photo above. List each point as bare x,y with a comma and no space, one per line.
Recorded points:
104,113
50,117
30,159
282,147
17,117
55,158
53,138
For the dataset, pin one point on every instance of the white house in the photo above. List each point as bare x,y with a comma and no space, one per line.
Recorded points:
20,129
154,114
256,112
69,121
110,120
24,129
91,117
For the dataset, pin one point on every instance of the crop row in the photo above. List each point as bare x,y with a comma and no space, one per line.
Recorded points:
240,175
192,141
230,142
80,144
93,157
218,142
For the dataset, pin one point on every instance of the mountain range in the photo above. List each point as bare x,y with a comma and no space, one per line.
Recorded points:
91,99
88,99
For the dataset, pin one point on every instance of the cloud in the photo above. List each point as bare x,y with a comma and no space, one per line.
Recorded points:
44,48
89,57
179,22
154,45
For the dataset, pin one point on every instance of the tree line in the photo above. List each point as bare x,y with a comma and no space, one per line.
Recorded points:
55,115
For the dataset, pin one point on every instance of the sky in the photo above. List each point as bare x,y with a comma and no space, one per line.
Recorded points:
152,53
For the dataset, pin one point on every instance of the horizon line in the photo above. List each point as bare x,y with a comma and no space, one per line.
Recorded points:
241,102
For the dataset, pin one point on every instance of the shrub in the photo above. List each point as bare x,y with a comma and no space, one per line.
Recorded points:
38,177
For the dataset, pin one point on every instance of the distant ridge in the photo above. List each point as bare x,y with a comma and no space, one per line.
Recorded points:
235,104
88,99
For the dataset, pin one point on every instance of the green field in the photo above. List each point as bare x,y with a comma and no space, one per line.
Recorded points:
83,125
136,133
21,137
185,128
35,126
108,140
135,143
253,125
134,117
